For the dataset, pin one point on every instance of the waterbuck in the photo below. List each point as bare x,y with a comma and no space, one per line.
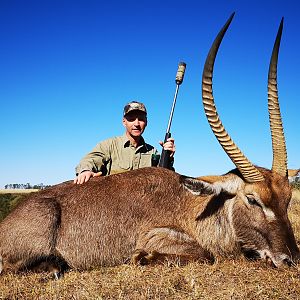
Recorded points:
153,214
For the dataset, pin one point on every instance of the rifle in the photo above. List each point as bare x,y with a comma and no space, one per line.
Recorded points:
165,161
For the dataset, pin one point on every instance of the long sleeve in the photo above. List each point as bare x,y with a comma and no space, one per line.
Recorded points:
96,159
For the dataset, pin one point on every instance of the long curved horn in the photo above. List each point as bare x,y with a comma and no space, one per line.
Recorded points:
278,141
249,172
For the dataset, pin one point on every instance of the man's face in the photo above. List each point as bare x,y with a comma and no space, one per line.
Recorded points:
135,122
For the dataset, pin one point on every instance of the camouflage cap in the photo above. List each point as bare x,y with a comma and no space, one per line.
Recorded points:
134,105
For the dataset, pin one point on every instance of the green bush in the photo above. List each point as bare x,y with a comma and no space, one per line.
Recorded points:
8,202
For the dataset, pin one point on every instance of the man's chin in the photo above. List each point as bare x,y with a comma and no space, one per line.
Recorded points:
136,133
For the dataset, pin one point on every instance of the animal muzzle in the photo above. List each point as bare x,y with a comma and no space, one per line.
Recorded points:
296,257
278,260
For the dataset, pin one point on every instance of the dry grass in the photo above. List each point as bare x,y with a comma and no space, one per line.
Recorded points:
296,195
237,279
17,191
226,279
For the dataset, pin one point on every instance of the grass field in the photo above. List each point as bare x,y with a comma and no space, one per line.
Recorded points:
225,279
17,191
296,195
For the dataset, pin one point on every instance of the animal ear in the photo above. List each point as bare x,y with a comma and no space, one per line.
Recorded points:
292,172
212,185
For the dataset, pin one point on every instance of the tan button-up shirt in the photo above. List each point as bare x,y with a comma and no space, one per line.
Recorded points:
117,155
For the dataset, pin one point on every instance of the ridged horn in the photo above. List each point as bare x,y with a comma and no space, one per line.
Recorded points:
278,141
249,172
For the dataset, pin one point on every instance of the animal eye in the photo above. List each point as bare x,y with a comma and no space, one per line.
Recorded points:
252,201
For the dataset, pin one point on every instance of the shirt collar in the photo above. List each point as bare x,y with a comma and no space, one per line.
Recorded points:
126,142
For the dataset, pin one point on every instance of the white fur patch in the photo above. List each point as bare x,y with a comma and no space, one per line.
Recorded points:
231,186
267,211
269,214
230,217
1,264
198,187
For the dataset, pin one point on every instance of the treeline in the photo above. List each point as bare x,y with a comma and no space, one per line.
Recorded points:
25,186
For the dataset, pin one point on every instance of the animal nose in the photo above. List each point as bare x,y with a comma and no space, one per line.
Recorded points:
288,261
296,257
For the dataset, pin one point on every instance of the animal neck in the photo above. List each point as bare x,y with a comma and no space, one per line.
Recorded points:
216,231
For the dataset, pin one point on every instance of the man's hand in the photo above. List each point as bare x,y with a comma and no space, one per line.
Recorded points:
169,145
85,176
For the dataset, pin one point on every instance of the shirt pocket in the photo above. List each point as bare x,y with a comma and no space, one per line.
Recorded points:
146,159
124,165
120,164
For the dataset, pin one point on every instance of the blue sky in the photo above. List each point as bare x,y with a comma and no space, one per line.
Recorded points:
67,68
